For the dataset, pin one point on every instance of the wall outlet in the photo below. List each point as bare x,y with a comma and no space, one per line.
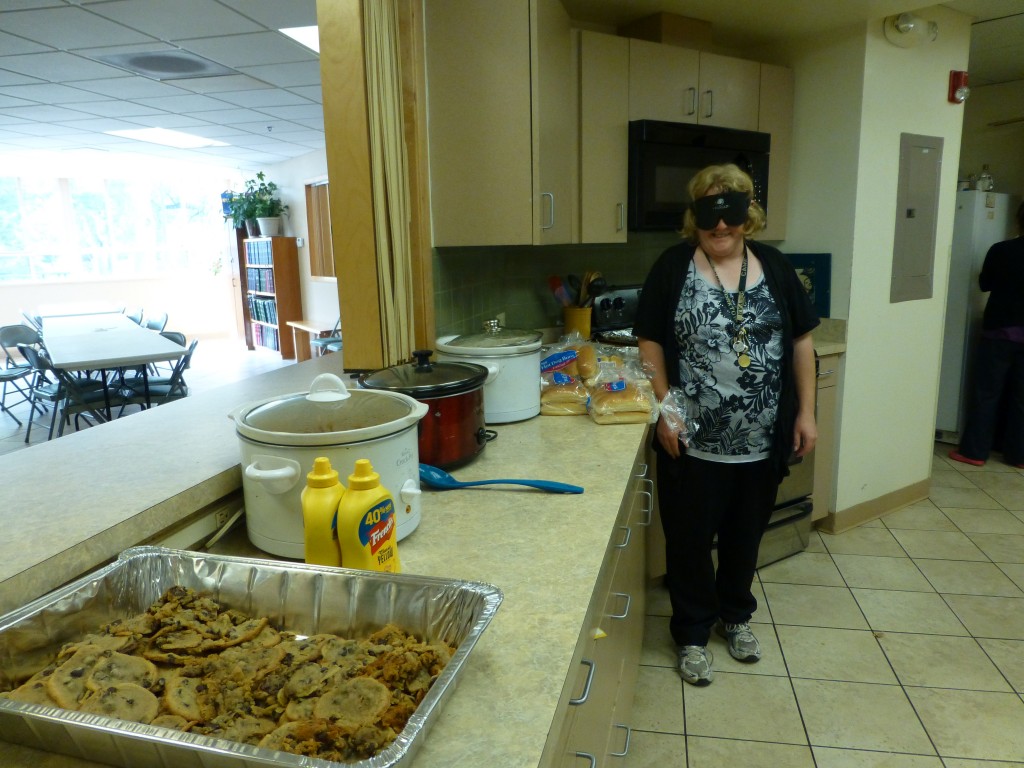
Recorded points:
300,242
221,517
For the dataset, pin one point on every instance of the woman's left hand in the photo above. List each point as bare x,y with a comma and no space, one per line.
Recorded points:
805,434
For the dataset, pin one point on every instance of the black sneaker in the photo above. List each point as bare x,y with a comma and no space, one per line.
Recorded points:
743,646
695,664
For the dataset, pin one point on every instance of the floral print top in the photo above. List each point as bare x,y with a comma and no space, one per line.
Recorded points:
734,408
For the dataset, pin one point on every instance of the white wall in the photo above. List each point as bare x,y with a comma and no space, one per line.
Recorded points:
855,94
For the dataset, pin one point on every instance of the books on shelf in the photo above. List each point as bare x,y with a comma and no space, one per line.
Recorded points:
260,279
259,252
265,336
262,309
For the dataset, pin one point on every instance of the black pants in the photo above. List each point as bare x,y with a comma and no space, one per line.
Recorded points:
697,500
998,367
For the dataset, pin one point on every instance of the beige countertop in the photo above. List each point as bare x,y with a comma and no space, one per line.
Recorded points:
84,498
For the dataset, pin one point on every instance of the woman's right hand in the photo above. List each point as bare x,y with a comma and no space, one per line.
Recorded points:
670,437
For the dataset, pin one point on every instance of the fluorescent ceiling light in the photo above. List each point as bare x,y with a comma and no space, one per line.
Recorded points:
168,138
307,36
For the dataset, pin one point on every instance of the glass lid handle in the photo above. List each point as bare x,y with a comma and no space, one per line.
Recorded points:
328,388
423,360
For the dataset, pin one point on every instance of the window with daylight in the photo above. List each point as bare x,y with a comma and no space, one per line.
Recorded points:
96,228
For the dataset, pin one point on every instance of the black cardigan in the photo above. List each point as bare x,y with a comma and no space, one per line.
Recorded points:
655,321
1003,275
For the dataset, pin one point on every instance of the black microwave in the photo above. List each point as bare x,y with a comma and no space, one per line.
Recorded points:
664,156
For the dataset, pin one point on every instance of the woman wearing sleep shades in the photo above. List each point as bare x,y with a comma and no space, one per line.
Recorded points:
724,326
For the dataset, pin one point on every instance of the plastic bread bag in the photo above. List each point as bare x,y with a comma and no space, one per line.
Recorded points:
560,357
673,410
614,399
562,395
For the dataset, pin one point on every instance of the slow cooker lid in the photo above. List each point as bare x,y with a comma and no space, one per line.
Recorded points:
496,338
425,379
296,414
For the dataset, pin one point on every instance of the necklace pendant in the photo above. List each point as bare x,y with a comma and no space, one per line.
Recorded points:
738,346
743,360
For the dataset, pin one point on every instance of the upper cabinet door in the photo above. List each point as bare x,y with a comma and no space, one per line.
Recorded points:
663,82
776,117
729,92
604,137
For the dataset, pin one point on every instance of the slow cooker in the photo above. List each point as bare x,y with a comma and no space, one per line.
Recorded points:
280,437
512,360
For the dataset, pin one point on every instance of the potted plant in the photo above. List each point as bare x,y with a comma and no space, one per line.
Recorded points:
269,207
243,209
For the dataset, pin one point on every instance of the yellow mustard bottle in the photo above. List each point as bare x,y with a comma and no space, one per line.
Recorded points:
367,525
320,500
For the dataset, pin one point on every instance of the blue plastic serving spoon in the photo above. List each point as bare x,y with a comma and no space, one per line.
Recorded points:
438,478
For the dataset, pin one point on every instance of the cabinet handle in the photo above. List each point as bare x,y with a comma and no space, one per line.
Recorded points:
588,756
551,209
648,510
625,611
626,538
711,102
641,470
823,374
620,209
591,666
625,747
693,100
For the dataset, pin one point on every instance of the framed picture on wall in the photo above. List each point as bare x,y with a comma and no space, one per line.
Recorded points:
815,272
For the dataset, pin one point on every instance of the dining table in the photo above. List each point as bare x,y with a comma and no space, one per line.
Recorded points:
106,342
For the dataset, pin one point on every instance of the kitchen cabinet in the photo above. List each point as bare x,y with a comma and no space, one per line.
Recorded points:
775,117
596,702
825,449
681,85
501,122
603,137
270,291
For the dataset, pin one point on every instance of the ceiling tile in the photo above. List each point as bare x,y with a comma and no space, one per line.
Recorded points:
68,28
131,87
57,67
176,19
287,75
251,50
47,93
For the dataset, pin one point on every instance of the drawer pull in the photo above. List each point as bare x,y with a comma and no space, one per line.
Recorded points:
625,611
591,666
648,509
625,747
551,209
626,538
641,470
692,92
823,374
588,756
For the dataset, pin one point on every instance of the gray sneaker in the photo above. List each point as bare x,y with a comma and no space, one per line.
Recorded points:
743,646
695,664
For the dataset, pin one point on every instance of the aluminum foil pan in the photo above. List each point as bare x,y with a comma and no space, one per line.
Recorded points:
305,599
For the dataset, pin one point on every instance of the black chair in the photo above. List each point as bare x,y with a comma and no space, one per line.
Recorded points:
16,371
162,389
326,344
69,394
178,338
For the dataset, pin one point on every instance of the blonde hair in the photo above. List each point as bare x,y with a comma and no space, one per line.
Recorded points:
723,178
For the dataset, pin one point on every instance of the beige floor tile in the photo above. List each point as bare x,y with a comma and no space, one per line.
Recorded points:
1006,488
827,757
944,477
994,464
1008,656
882,573
998,617
812,606
860,716
657,601
968,578
937,661
834,654
1015,571
716,753
804,568
919,517
962,497
986,521
957,763
999,547
864,541
769,711
940,545
891,611
814,543
996,722
658,701
647,749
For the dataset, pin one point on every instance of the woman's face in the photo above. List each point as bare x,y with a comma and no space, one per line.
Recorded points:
723,240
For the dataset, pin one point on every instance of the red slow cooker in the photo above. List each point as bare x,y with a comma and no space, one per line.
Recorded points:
453,431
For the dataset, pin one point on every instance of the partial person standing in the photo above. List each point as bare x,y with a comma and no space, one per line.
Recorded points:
999,358
724,327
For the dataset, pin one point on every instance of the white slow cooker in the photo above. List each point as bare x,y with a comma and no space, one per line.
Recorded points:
280,437
512,360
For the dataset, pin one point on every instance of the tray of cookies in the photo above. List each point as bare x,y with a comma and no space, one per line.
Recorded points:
170,657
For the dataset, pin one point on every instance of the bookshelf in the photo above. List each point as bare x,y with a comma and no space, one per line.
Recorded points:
270,292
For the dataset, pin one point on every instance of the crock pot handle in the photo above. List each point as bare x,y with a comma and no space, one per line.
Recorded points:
280,479
328,388
410,491
493,369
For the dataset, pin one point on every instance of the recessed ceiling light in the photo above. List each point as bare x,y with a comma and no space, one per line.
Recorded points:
307,36
168,138
166,65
